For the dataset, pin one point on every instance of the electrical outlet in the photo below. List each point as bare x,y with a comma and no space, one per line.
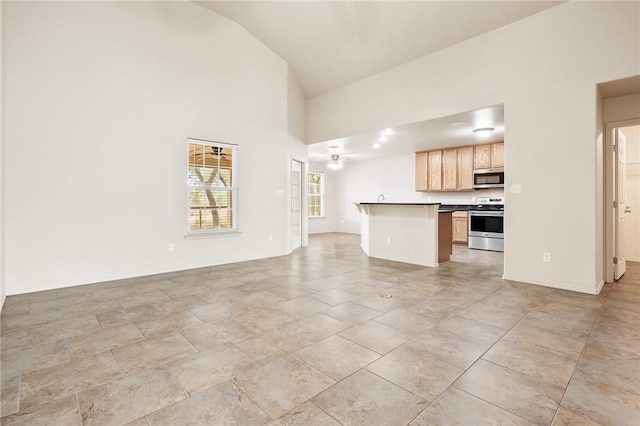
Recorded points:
171,248
388,240
516,188
546,257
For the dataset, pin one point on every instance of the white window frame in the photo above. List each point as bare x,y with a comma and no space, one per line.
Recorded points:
322,195
233,189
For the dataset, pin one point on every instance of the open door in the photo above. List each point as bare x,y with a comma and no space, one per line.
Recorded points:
620,203
296,204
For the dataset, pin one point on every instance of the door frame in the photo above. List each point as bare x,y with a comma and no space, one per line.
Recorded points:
609,193
304,236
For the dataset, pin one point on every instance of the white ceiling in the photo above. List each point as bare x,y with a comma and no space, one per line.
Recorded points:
422,136
330,44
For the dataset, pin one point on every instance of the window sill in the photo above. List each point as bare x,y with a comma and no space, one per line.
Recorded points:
204,235
317,217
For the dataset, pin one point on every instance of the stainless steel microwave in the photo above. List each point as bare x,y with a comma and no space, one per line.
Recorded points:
488,178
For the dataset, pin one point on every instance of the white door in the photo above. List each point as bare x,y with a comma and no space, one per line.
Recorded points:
620,158
296,203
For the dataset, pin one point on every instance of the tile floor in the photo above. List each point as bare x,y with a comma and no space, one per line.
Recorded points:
306,339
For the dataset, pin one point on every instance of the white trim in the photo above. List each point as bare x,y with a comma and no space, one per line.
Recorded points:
560,286
211,234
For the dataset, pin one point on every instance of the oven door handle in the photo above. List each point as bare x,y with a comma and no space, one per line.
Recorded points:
495,213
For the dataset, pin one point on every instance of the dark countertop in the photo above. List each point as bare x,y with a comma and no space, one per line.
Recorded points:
399,204
457,207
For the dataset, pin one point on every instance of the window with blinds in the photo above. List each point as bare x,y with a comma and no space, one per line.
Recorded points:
212,187
315,200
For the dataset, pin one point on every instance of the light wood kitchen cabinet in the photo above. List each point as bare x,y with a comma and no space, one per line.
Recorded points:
482,157
450,170
460,227
465,168
497,155
422,162
489,156
435,171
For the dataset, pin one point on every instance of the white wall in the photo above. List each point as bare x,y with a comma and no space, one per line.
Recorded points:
544,69
632,225
394,177
332,187
100,99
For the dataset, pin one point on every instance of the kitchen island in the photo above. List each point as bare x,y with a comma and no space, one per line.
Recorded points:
415,233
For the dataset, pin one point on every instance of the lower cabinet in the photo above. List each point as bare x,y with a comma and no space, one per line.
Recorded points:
460,227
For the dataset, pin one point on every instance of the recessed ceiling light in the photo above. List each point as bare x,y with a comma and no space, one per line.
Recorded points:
377,145
483,131
383,138
388,131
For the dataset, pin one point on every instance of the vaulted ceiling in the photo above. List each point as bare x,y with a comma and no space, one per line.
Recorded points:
330,44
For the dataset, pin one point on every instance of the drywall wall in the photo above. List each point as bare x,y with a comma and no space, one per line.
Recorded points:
393,177
332,185
100,100
544,69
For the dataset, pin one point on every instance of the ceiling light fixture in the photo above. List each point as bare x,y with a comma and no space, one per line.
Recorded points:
388,131
335,163
383,138
377,145
483,131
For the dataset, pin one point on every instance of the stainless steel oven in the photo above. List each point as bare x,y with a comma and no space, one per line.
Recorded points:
486,224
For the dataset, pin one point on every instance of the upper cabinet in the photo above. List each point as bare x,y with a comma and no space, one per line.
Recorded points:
452,169
489,156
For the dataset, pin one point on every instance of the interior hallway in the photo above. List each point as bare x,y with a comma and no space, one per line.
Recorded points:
308,339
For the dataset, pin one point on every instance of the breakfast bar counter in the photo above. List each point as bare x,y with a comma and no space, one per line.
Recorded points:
415,233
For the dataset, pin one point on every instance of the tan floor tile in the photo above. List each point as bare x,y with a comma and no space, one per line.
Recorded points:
492,315
211,334
14,308
290,290
333,296
567,418
122,316
129,398
416,372
352,313
143,299
149,353
539,338
315,327
61,329
13,340
376,336
407,321
89,308
600,367
55,304
337,357
104,340
166,323
539,363
576,328
223,404
515,392
455,407
302,306
210,367
447,347
9,395
34,357
16,322
365,399
305,414
182,291
179,304
42,386
110,293
266,348
600,402
63,411
473,330
282,385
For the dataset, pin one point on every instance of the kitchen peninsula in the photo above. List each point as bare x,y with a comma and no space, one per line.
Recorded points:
414,233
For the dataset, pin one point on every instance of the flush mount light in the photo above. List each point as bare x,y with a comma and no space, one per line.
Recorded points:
335,163
332,147
483,131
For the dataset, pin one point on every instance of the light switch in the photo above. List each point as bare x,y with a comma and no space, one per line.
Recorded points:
279,192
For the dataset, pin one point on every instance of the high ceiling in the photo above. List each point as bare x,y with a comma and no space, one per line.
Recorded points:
330,44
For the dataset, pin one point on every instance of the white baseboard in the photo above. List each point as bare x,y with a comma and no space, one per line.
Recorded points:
560,286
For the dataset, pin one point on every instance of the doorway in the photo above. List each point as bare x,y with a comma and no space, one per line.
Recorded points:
296,204
623,214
